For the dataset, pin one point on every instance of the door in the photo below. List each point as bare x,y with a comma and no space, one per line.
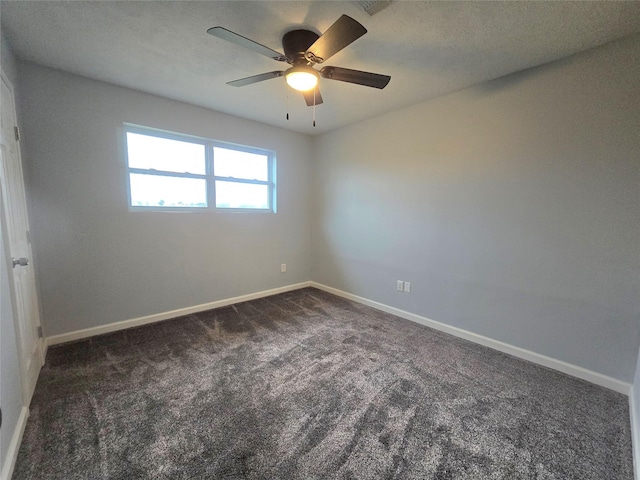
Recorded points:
16,237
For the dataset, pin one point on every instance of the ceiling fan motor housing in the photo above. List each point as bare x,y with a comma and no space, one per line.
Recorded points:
295,43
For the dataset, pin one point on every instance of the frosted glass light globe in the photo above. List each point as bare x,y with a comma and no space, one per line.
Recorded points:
301,78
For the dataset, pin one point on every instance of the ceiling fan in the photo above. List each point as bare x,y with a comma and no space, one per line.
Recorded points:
302,50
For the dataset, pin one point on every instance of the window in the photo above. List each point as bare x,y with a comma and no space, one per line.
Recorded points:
168,171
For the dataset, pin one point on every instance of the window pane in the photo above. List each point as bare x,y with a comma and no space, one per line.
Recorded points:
232,163
241,195
161,191
156,153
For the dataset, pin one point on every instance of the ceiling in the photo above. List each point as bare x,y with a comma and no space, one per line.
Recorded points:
428,48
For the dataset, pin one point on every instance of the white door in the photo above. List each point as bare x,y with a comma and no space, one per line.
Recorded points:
14,216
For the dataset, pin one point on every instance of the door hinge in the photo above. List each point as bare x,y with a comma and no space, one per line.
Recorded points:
39,331
17,132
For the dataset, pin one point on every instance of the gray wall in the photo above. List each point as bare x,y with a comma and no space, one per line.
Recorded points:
100,263
10,383
512,207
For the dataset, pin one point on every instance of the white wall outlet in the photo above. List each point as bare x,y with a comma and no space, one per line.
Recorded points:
407,287
400,285
283,267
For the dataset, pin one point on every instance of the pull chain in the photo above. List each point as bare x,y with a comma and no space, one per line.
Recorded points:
287,101
314,107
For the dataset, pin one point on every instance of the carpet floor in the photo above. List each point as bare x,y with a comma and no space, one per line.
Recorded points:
307,385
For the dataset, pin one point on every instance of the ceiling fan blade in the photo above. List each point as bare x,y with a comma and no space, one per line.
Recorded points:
233,37
368,79
256,78
309,97
343,32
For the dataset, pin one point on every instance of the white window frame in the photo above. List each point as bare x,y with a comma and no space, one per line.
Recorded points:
209,177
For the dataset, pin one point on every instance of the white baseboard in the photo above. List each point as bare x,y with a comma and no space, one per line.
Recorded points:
635,433
157,317
564,367
14,445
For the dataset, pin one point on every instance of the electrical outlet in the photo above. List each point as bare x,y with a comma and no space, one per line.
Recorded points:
407,287
400,285
283,267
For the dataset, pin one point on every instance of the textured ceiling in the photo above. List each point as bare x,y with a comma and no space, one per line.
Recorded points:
428,48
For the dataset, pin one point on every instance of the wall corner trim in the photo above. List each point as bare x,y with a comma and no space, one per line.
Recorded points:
9,463
564,367
158,317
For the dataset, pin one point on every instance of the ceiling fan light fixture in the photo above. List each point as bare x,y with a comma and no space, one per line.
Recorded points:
301,78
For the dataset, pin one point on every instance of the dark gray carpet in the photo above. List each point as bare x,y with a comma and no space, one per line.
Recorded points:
306,385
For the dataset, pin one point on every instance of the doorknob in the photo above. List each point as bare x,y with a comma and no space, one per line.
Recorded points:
23,262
